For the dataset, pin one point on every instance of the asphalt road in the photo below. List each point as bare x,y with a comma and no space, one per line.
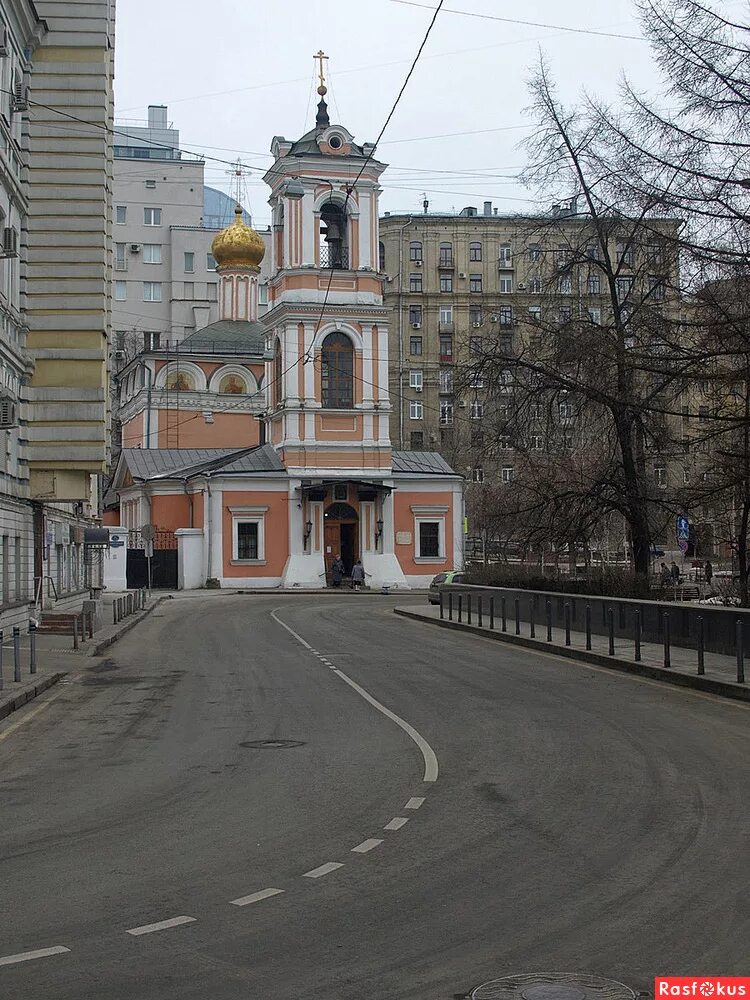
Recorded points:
581,819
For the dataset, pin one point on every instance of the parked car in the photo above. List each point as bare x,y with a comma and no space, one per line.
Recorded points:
452,576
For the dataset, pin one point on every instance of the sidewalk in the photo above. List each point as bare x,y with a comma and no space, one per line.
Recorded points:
55,656
720,675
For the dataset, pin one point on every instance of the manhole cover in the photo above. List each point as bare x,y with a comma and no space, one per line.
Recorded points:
553,986
271,744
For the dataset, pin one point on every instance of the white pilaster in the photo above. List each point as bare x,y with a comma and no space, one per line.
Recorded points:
365,230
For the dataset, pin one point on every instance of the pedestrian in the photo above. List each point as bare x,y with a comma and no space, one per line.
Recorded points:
358,575
709,571
674,572
665,577
337,571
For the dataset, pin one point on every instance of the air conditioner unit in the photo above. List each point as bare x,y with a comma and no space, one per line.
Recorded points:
417,263
10,242
476,325
462,274
8,412
19,101
495,318
416,326
417,388
135,247
62,534
462,403
3,40
521,286
119,355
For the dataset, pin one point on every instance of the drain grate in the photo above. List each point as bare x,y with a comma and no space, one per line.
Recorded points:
553,986
271,744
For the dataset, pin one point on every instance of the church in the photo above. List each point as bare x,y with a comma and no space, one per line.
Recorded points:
275,455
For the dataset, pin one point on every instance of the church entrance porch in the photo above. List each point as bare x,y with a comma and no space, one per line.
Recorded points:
340,537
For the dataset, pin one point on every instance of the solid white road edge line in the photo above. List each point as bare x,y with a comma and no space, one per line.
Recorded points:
255,897
396,823
415,802
430,760
162,925
323,870
28,956
366,845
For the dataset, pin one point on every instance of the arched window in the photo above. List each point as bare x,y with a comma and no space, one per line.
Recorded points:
337,372
415,250
333,249
446,255
475,251
381,256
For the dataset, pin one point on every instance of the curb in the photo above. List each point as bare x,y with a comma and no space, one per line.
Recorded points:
29,694
724,689
106,643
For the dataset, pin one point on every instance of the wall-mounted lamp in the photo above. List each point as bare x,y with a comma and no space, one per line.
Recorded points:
308,530
378,530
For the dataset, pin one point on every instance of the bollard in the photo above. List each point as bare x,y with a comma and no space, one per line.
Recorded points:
479,612
532,623
567,623
16,654
504,617
701,646
32,648
667,650
740,652
468,609
1,660
518,617
611,630
492,613
75,632
442,613
450,607
588,626
114,612
460,606
82,623
549,621
637,636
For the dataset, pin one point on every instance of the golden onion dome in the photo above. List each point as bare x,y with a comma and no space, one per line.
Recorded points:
238,245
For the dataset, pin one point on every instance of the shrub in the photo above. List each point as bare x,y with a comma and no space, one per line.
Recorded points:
608,582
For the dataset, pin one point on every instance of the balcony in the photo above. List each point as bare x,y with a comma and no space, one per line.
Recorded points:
334,256
446,264
446,326
505,264
446,358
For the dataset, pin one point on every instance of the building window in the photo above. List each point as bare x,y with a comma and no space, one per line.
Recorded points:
121,261
535,252
475,251
211,291
415,315
562,256
446,412
565,284
446,282
505,285
415,345
625,254
564,315
415,251
594,284
535,314
188,289
416,379
477,437
477,410
150,184
504,254
416,440
446,318
152,291
566,410
593,251
446,255
415,282
623,286
446,347
151,340
121,214
505,343
505,315
535,285
429,539
568,441
475,345
536,442
477,474
248,539
337,372
475,282
703,414
660,476
475,315
152,253
504,443
210,262
595,315
656,288
151,216
121,291
415,410
189,261
507,474
263,295
446,380
381,256
476,379
120,340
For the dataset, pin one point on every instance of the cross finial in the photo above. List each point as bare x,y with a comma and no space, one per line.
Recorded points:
320,56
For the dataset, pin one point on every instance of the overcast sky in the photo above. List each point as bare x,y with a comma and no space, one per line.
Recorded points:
236,74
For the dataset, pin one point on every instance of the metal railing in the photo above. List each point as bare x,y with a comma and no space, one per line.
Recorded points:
334,256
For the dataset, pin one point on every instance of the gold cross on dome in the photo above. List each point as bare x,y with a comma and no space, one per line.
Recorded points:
320,56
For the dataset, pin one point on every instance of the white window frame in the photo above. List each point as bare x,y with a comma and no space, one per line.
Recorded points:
506,286
536,442
210,262
191,255
154,286
121,286
123,221
477,474
416,379
507,473
476,411
446,314
148,251
155,214
416,409
249,515
432,515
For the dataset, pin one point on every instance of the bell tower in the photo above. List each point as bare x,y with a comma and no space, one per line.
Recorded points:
327,336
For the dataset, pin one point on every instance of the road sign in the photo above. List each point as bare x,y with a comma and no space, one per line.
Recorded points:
683,529
683,543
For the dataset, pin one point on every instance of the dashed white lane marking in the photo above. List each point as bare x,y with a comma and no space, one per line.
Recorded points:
415,802
29,956
430,760
162,925
256,897
366,845
396,823
323,870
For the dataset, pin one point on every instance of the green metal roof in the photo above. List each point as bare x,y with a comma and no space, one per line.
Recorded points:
227,336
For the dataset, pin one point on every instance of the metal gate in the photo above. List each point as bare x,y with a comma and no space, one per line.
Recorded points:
163,560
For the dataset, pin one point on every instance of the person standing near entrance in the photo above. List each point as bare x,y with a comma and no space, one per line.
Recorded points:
709,571
358,575
337,570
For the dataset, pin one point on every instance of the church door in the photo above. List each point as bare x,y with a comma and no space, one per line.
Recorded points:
341,536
